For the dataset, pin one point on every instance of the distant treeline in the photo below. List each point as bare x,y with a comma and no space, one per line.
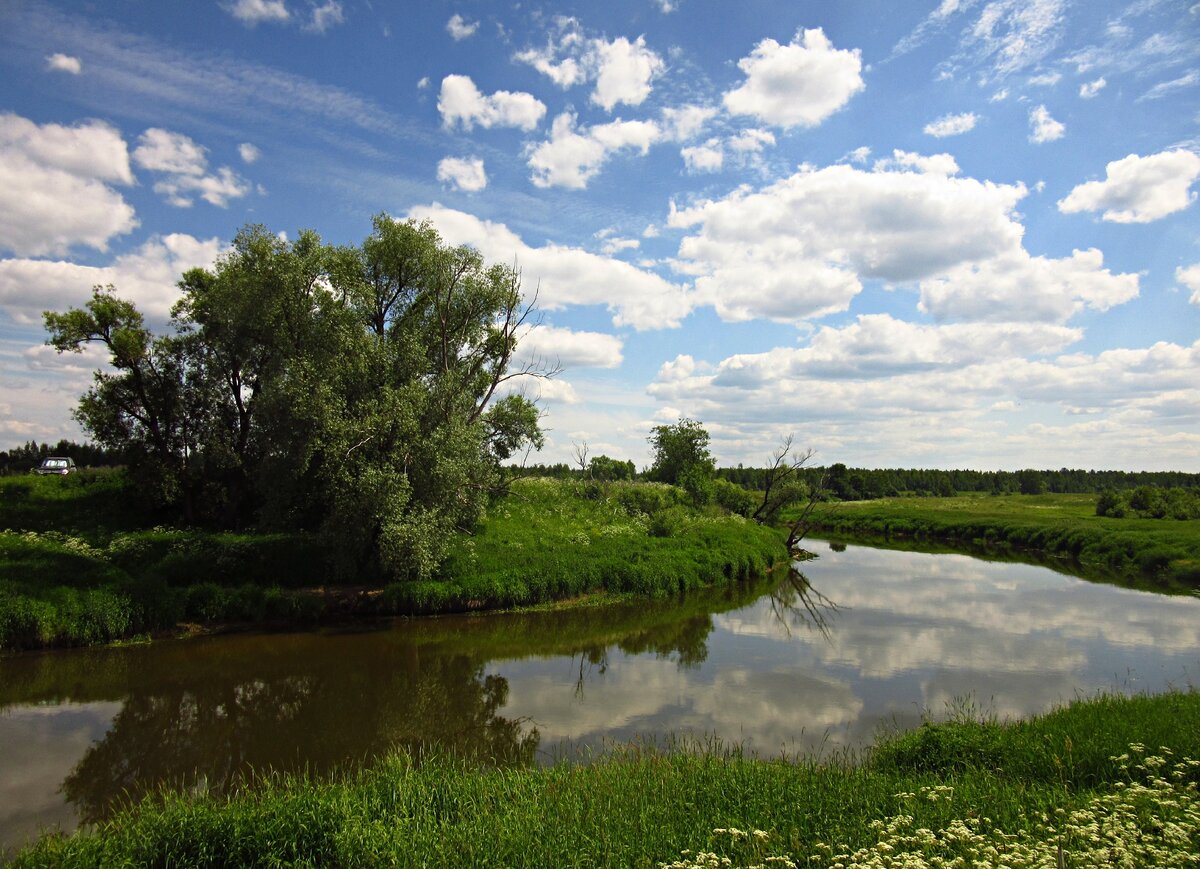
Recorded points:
22,459
853,484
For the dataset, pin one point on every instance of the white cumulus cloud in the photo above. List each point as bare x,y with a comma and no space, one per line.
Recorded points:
146,276
951,125
251,12
64,63
1089,89
802,247
686,122
708,157
625,72
459,28
568,275
622,70
1043,128
184,166
461,102
1138,189
466,174
571,157
248,152
1017,286
751,141
569,347
54,186
798,84
1189,276
163,151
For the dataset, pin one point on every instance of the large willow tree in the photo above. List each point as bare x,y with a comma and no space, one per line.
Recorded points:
360,391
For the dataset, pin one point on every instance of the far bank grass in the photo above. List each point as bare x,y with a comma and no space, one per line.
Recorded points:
78,568
1157,552
993,781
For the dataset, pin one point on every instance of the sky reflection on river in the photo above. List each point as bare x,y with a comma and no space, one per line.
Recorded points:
878,639
912,634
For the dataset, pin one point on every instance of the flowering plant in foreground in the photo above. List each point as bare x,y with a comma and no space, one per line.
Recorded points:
1151,820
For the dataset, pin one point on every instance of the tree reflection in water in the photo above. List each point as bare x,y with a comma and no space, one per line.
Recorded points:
795,603
197,733
204,713
685,641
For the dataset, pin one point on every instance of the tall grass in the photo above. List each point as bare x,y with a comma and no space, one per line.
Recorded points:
550,540
643,806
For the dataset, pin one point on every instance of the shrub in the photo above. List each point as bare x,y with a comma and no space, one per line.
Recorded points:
733,497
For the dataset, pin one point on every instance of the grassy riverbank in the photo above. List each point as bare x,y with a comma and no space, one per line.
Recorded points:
1158,552
78,566
943,790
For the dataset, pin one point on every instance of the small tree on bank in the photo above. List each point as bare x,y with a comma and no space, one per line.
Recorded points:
682,458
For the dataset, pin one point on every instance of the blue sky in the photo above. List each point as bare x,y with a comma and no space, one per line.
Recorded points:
957,233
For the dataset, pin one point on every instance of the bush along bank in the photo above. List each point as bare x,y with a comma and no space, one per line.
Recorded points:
1136,551
543,542
1109,780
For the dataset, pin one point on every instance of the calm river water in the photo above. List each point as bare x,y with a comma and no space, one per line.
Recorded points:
874,638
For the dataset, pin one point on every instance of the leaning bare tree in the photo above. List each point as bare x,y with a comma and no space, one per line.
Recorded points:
782,487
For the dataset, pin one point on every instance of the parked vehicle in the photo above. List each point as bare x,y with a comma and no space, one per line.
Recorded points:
56,465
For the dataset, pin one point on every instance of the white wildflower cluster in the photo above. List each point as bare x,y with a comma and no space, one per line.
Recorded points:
126,545
74,545
631,528
753,842
1153,819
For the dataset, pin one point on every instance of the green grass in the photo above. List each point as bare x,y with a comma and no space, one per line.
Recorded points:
643,806
550,540
97,575
1161,553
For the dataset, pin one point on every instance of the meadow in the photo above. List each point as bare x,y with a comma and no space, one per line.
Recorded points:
1103,780
79,566
1154,553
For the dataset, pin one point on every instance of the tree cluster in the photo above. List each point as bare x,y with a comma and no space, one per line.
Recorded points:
358,391
1150,502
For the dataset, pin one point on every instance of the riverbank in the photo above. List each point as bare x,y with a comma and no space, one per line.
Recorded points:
1155,553
943,790
78,567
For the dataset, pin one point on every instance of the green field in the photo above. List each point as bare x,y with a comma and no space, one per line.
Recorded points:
1160,553
79,566
1081,786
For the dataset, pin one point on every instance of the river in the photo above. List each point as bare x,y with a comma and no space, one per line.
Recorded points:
862,639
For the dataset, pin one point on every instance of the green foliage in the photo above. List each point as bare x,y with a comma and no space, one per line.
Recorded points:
606,469
678,449
545,541
734,498
355,391
1030,482
1150,502
645,806
696,480
549,540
